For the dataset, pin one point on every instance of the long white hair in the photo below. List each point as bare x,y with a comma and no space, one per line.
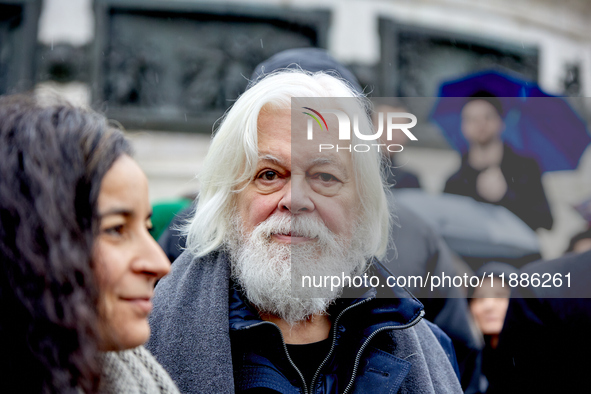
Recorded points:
233,155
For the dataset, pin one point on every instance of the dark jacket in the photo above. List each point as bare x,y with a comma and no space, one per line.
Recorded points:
525,195
191,326
363,322
172,240
545,343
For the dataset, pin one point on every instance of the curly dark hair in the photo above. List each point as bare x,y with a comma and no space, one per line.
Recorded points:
52,160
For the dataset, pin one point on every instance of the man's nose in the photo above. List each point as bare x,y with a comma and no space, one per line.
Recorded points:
488,303
151,260
297,196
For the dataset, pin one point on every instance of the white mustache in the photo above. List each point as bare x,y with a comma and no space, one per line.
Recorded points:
300,226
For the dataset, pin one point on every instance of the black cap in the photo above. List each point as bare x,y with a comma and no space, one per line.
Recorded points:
309,59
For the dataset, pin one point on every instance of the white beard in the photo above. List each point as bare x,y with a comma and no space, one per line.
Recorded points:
265,268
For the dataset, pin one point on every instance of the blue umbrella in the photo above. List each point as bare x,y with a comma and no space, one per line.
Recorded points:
538,125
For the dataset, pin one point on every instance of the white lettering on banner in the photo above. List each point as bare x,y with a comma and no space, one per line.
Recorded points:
345,125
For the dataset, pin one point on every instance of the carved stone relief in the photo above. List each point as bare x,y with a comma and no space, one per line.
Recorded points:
173,64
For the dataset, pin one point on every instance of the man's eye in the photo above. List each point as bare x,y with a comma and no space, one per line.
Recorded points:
324,177
325,183
268,176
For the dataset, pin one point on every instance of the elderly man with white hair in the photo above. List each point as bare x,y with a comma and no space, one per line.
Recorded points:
277,205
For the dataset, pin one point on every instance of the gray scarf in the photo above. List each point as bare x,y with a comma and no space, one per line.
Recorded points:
134,371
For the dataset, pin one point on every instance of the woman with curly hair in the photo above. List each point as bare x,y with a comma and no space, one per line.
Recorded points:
78,264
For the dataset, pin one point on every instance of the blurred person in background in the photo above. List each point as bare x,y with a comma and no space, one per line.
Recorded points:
488,305
78,262
492,172
164,211
545,343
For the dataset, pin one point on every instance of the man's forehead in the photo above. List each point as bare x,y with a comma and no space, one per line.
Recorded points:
271,115
274,158
303,158
283,140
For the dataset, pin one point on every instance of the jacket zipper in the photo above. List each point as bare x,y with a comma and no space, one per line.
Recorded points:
334,340
362,348
285,349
